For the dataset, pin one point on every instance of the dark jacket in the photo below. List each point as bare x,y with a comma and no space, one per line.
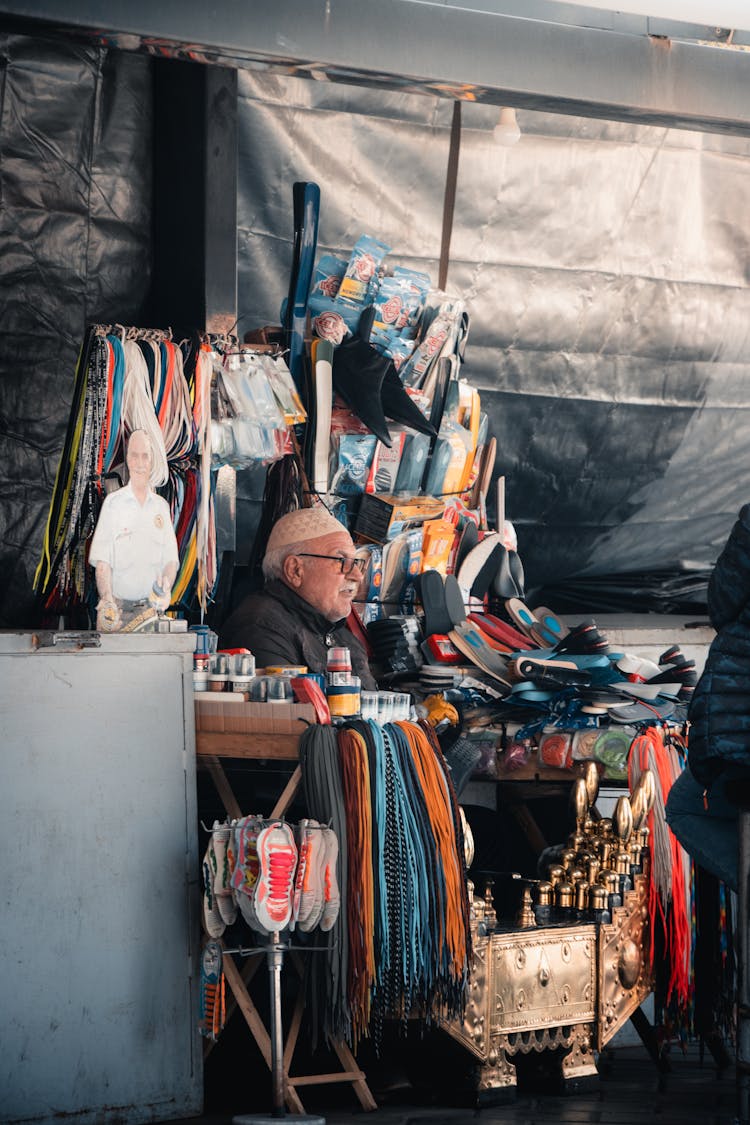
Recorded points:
279,627
719,713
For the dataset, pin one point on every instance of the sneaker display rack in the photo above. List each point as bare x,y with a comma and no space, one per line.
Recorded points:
278,877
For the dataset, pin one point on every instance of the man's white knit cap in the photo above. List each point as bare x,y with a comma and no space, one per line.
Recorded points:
302,525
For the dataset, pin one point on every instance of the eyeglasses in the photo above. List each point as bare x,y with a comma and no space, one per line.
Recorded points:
347,566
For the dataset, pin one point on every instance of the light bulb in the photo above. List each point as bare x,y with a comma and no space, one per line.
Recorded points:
506,132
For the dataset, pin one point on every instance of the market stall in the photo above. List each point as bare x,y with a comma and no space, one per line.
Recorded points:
359,406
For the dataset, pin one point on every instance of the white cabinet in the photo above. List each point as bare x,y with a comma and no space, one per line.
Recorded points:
98,880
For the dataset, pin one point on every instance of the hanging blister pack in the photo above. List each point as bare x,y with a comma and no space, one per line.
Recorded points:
327,275
331,319
398,304
353,454
361,274
258,426
287,396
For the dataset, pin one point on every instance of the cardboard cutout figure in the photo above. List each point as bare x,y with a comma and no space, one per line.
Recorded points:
134,549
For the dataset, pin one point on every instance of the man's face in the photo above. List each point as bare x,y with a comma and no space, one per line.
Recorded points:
320,581
138,458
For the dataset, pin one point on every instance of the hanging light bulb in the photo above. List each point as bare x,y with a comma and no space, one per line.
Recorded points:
506,132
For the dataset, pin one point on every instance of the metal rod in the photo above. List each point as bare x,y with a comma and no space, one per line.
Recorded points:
275,958
743,976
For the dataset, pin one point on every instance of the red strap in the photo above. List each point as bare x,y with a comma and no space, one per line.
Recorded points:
355,626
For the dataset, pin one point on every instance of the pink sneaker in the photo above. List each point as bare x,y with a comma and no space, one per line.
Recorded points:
247,867
274,892
331,895
311,895
304,844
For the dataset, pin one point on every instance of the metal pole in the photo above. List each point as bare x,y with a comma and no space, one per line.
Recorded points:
275,958
743,977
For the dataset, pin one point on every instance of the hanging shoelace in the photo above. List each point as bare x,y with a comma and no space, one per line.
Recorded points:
355,779
205,546
324,798
130,379
57,516
77,504
670,880
138,408
445,825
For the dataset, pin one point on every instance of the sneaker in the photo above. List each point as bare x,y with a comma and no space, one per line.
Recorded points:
331,895
224,853
311,895
212,920
274,892
247,867
304,843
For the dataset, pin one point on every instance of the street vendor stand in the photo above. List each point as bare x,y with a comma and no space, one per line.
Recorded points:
580,1015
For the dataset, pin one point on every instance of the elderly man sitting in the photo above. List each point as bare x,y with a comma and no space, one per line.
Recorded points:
312,576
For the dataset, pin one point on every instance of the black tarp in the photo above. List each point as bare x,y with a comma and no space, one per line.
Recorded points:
75,238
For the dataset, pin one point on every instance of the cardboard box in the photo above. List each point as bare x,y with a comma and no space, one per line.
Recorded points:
226,715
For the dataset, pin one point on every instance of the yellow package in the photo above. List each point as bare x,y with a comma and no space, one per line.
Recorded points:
437,542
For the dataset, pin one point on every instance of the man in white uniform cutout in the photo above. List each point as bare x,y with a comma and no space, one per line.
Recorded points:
133,549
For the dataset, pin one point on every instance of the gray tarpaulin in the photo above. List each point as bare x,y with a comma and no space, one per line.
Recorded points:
604,267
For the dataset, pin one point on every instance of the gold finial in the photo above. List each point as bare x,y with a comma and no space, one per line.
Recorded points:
556,874
642,799
580,802
544,893
622,819
591,780
564,894
526,914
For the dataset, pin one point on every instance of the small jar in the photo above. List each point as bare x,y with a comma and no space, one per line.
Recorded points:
344,699
339,660
241,683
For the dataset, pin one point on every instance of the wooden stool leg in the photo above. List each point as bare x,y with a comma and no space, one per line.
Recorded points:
743,969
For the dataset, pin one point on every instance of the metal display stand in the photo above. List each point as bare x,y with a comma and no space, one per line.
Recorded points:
274,951
277,1054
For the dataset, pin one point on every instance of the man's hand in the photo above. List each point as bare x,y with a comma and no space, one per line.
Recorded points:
108,617
161,601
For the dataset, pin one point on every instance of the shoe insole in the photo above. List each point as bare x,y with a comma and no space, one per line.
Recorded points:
504,632
517,574
467,542
551,621
474,561
547,633
454,600
474,645
502,581
432,592
522,616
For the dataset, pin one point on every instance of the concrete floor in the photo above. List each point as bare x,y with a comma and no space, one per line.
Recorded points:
630,1091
